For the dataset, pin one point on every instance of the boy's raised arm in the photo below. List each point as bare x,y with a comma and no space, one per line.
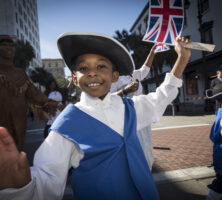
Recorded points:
149,60
14,167
183,57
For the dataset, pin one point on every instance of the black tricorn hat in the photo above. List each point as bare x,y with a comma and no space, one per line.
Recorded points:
71,45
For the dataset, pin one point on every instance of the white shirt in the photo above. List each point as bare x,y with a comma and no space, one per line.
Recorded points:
57,154
55,95
139,74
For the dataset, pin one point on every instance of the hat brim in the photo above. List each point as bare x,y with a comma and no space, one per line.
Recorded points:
72,45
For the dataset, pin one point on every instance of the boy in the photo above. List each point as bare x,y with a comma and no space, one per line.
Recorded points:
216,137
97,138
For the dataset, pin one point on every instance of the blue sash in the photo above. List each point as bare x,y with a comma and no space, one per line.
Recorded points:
113,167
216,138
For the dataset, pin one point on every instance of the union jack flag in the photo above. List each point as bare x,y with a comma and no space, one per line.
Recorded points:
161,47
165,21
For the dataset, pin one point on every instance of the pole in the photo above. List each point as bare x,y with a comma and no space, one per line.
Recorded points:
199,16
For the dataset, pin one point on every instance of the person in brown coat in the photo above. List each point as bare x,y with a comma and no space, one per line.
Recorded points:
17,93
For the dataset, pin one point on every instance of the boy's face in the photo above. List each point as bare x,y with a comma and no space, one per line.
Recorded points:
94,74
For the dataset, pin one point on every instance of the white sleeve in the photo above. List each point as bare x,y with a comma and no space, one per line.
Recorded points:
150,107
114,87
141,73
52,161
120,84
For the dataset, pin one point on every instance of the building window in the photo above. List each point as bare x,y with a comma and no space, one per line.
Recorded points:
26,31
206,33
146,21
208,36
20,9
22,37
17,33
192,83
24,3
28,10
185,18
16,18
204,6
29,23
25,16
139,29
206,29
21,24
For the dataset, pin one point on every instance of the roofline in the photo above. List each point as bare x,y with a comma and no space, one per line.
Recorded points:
207,57
141,14
52,59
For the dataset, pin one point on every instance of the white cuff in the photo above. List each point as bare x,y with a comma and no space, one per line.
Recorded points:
170,79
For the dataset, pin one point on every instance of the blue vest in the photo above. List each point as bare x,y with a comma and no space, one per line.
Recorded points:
113,167
216,138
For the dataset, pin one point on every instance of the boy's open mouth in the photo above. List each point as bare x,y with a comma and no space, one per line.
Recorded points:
94,85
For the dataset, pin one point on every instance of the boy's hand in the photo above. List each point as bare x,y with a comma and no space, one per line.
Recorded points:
183,56
152,50
132,87
149,60
180,49
14,167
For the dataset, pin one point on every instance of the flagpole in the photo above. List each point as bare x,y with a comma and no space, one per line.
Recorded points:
200,46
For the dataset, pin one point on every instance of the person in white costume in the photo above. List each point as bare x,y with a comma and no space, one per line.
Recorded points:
52,92
131,85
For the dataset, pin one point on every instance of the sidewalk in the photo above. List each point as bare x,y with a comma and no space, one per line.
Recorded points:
183,157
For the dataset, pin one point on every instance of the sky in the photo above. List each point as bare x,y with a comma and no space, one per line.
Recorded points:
101,16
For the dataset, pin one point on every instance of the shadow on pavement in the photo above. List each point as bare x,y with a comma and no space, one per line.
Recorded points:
172,191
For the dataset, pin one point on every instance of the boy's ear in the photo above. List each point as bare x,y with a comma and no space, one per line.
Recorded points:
75,79
115,76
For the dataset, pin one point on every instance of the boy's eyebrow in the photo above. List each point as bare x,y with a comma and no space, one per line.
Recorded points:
80,61
103,59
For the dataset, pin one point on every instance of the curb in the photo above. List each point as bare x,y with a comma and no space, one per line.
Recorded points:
184,174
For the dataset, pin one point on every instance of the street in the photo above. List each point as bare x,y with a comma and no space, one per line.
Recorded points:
34,137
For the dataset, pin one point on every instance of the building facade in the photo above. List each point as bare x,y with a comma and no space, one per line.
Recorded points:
202,20
19,18
54,66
